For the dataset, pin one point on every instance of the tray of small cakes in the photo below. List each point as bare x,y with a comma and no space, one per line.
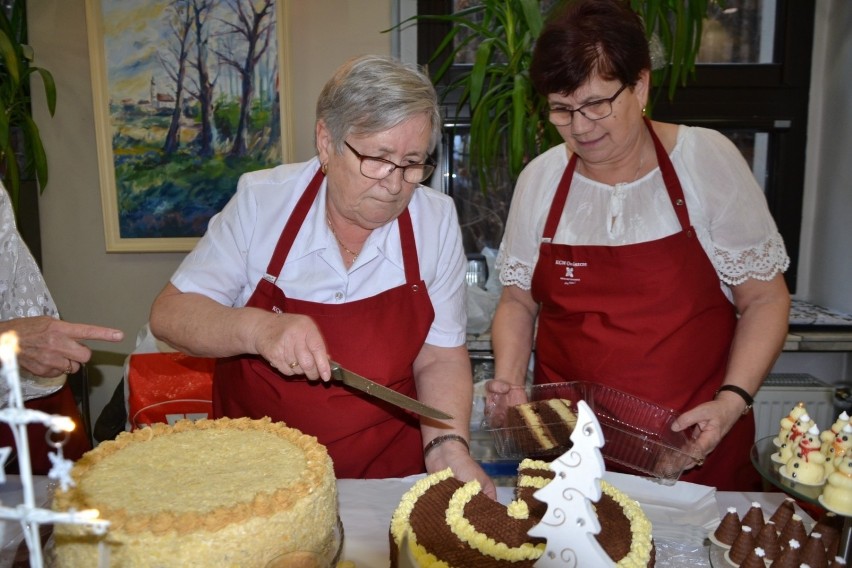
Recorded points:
638,433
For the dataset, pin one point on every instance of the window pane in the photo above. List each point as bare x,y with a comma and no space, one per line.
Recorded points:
482,214
739,31
754,146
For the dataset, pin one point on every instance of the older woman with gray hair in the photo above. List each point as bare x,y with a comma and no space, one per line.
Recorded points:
346,256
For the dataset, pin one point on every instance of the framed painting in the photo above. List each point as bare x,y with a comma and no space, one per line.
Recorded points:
188,96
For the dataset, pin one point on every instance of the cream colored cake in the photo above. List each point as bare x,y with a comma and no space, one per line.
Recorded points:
221,492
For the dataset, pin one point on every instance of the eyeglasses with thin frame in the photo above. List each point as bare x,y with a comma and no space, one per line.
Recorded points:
379,168
592,110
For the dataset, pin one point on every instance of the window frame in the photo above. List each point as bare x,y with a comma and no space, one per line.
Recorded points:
761,97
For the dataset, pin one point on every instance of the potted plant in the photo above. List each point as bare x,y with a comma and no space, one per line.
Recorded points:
507,121
22,153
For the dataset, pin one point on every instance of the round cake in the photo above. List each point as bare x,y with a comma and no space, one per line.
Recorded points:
452,524
227,492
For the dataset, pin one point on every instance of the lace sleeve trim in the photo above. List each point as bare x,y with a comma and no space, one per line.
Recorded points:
761,262
513,272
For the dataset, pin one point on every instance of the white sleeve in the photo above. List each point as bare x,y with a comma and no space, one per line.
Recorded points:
23,293
447,286
742,234
530,205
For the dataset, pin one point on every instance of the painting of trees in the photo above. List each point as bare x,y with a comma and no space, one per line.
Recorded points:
190,96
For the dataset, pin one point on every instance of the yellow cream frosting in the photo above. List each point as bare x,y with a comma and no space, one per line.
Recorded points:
640,526
213,493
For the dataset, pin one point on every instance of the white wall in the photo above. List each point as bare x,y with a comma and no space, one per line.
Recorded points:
117,289
825,261
826,274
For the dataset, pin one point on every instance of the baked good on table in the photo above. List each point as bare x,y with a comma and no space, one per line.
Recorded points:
227,492
542,426
454,523
807,465
837,493
787,423
728,530
767,539
754,517
783,513
743,544
789,557
813,551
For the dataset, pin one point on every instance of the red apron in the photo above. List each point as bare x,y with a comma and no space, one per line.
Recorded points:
648,318
378,337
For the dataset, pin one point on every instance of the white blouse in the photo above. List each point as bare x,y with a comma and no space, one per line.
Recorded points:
23,293
726,206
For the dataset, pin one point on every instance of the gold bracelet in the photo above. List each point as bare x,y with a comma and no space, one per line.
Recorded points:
437,441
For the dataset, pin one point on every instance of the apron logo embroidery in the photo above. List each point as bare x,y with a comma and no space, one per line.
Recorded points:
569,279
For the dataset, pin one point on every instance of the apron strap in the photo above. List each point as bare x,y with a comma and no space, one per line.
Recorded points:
559,199
291,229
670,179
409,248
300,213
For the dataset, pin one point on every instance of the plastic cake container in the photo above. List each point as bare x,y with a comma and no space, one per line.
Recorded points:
637,433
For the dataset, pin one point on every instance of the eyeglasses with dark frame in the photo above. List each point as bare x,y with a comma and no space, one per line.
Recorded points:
379,168
592,110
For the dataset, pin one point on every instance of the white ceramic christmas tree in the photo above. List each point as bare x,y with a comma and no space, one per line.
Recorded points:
17,417
570,523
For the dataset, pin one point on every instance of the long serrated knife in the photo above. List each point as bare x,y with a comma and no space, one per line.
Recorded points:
372,388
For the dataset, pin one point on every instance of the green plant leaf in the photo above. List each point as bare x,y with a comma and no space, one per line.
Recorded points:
480,68
533,16
19,134
49,88
36,151
10,60
517,137
4,134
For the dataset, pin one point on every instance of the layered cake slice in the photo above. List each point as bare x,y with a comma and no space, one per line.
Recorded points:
542,426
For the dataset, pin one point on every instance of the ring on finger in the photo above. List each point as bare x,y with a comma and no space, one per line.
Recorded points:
70,369
294,364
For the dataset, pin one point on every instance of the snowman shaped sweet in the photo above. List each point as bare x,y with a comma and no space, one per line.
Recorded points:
839,450
787,449
827,436
837,493
787,424
807,466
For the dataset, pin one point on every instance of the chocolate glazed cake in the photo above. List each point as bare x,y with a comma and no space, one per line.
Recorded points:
455,523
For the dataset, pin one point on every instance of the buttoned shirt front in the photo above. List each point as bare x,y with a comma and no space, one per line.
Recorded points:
233,254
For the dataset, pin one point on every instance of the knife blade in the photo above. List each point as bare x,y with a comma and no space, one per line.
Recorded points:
372,388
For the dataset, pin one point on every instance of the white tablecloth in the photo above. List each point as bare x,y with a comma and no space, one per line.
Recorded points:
681,515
